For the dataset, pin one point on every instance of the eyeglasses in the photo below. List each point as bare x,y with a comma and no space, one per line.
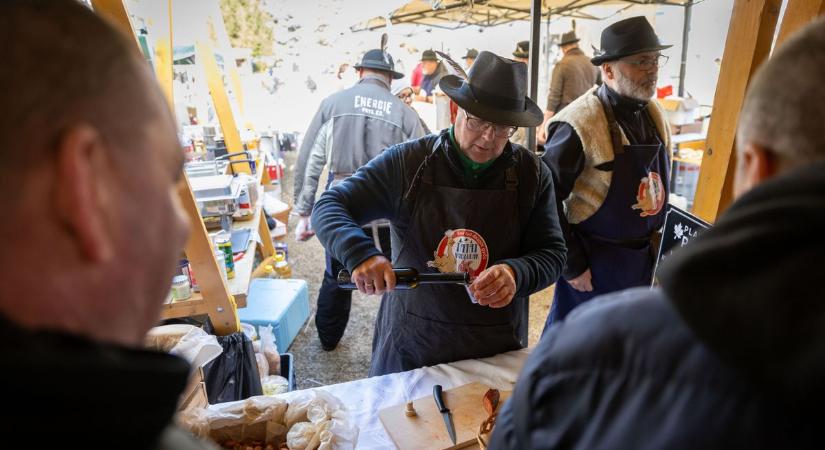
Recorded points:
481,126
648,63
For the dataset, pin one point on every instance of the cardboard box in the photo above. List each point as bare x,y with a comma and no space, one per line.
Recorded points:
194,394
679,110
693,127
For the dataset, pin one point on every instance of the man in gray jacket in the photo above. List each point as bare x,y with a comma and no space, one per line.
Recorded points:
350,128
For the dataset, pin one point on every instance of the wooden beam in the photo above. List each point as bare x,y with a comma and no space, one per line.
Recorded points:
115,11
163,53
205,56
750,35
798,13
201,254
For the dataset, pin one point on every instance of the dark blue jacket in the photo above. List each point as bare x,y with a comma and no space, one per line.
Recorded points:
728,353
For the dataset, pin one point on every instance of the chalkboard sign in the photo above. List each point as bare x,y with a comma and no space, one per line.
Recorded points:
680,227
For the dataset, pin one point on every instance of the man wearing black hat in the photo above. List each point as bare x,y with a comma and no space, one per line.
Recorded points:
470,57
350,128
572,76
433,71
728,352
464,200
609,154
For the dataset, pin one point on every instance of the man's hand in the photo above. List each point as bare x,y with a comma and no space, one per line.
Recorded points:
583,282
303,230
374,276
495,287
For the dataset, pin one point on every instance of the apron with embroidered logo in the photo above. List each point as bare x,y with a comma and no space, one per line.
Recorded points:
617,237
450,230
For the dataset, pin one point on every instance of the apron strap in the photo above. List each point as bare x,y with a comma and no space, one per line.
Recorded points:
612,124
511,180
421,174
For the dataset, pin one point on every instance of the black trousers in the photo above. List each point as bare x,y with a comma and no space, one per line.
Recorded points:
332,313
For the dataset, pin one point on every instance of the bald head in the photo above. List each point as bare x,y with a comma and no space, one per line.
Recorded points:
785,105
89,149
64,66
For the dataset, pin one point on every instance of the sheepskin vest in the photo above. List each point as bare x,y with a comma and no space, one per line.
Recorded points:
586,116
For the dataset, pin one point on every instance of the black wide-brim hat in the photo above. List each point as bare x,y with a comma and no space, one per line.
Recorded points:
496,91
379,60
625,38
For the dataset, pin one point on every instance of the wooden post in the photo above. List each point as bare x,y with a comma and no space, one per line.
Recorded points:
163,55
797,14
201,254
752,27
205,56
115,11
216,302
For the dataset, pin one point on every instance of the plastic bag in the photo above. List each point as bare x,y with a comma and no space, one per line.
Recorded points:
274,384
263,366
303,436
257,419
234,374
197,347
270,350
263,419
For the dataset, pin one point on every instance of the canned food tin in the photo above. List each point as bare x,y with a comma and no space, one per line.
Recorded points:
223,242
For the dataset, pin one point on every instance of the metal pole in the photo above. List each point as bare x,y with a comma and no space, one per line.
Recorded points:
533,74
685,36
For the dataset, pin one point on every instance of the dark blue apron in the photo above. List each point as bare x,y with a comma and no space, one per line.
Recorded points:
617,237
438,324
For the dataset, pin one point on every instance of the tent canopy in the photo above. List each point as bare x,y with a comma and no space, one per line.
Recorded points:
453,14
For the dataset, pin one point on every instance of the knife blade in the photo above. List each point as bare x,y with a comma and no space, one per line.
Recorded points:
445,412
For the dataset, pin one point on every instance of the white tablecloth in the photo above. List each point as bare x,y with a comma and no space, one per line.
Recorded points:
364,398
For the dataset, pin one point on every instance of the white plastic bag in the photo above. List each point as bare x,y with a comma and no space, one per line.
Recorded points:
303,436
270,350
198,347
274,384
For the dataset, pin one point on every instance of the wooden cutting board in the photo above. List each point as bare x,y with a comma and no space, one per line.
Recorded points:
427,430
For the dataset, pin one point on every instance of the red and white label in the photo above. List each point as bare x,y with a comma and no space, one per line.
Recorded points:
461,250
650,197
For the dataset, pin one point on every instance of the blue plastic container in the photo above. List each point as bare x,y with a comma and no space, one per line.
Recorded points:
284,304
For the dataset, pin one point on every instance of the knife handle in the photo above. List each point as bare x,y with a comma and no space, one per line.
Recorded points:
439,399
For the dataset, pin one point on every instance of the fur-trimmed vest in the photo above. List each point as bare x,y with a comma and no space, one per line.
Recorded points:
586,116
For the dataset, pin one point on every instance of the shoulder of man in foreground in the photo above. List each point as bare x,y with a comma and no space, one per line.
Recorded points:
624,371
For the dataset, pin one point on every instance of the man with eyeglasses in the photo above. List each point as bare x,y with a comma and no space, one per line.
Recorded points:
609,154
463,200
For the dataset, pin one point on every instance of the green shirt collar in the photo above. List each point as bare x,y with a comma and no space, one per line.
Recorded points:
469,164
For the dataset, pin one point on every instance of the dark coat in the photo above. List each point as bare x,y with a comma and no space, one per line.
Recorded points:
728,353
62,390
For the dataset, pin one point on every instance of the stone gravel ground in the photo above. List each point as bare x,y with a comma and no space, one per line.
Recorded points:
351,359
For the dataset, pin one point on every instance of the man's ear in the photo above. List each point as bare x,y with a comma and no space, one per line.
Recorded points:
607,71
80,197
755,164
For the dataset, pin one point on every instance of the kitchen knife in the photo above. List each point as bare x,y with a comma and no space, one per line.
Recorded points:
445,412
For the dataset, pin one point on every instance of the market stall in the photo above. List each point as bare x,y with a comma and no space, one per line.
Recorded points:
364,401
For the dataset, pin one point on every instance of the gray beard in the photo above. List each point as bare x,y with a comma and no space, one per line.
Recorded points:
628,88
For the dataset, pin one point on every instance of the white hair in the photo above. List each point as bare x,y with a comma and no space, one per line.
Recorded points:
784,110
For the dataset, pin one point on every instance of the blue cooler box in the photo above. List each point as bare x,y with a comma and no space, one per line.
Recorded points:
284,304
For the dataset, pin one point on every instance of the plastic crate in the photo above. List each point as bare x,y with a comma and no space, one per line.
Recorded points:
284,304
